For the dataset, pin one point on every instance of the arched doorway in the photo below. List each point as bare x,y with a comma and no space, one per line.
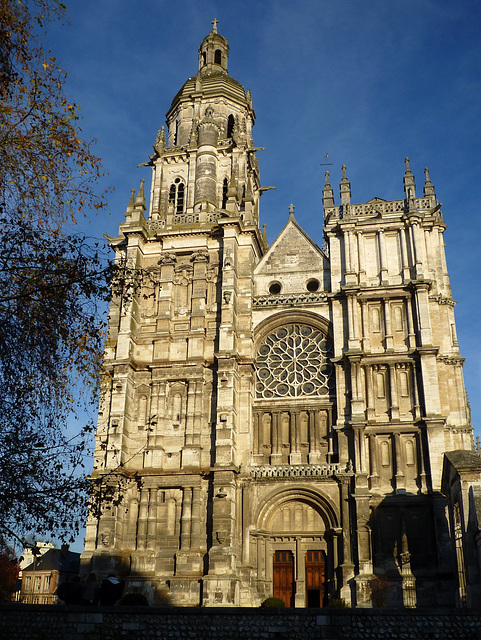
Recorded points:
295,548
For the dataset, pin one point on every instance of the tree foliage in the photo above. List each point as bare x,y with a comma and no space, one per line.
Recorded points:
51,281
9,568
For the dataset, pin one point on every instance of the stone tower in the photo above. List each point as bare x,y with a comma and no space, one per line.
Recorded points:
275,419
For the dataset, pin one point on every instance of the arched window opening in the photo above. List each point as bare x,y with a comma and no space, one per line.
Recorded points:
410,453
172,192
225,187
385,453
176,133
204,58
230,125
218,56
180,198
177,195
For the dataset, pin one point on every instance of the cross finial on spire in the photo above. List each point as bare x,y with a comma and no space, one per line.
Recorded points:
291,210
214,22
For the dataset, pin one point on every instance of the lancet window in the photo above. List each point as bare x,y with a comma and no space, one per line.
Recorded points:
230,125
225,188
177,195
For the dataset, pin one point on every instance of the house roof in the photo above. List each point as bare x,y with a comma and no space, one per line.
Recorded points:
464,460
56,560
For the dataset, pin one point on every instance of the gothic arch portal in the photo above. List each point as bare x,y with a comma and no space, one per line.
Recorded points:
293,526
280,497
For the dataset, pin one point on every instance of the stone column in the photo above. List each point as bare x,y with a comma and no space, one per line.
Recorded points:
373,463
400,478
143,516
276,455
186,519
383,275
394,404
152,520
295,456
347,566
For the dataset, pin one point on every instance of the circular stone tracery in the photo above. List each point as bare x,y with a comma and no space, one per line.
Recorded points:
293,361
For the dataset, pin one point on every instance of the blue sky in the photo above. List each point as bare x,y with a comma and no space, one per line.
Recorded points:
366,81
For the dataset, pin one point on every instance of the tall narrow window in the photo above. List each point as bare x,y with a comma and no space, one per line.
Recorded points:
180,198
458,541
230,125
410,453
204,57
177,195
218,56
385,453
176,133
376,320
225,187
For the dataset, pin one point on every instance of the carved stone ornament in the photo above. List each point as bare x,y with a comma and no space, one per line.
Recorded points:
167,258
200,256
105,539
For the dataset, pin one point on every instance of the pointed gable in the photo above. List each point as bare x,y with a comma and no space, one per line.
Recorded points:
292,260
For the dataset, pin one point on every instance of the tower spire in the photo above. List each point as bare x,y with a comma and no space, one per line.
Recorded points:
345,186
428,185
409,185
327,193
213,52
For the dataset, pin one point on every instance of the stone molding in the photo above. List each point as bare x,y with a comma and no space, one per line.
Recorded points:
300,299
301,470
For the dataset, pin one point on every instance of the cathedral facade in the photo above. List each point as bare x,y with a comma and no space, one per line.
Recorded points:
275,418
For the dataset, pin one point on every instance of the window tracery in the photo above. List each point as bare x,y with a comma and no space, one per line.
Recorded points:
177,195
293,361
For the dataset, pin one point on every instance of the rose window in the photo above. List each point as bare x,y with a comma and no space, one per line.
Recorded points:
292,362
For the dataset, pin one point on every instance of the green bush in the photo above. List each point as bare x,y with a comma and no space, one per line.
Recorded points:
272,602
133,600
337,603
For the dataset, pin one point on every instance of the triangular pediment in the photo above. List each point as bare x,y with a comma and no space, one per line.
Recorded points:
292,261
292,251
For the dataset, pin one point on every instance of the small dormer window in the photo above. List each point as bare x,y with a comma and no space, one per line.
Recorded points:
177,195
218,56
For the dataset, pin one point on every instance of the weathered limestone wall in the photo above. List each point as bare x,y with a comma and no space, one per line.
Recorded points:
30,622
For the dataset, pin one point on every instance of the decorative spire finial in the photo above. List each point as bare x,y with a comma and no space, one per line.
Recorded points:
214,23
291,210
428,185
345,188
327,179
409,185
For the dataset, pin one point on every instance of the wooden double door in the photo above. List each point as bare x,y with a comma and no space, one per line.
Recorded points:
315,578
